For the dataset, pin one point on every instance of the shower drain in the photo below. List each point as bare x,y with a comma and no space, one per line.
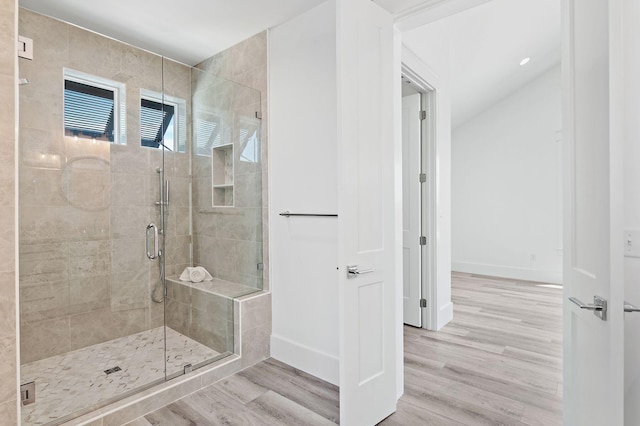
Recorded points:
112,370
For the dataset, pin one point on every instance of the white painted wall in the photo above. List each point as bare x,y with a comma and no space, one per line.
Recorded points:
431,61
506,186
303,178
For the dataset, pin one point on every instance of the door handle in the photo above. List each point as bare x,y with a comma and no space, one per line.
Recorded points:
152,255
353,271
628,307
599,306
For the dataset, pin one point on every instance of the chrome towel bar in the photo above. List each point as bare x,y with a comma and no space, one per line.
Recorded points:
288,214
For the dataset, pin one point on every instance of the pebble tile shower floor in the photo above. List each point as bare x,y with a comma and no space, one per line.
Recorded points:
77,380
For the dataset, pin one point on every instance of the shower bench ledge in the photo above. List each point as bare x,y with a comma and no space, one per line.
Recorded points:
218,287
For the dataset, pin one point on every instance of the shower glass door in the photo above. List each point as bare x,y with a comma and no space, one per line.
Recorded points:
91,302
132,169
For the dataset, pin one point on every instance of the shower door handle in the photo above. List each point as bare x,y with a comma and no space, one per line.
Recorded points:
152,255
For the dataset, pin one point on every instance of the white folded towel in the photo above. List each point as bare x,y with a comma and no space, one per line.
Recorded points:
195,274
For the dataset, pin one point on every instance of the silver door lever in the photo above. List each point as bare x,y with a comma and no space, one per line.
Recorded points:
353,272
599,306
628,307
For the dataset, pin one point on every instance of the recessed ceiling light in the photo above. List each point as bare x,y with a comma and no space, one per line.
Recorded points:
525,61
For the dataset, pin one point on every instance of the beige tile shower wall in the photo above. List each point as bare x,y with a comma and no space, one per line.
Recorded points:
205,317
232,241
8,332
84,205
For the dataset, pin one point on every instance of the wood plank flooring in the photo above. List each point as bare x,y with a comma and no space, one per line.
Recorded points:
499,362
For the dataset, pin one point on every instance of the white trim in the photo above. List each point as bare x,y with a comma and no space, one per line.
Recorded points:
445,315
397,100
568,207
514,272
430,11
312,361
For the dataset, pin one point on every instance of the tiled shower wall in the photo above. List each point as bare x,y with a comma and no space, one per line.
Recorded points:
246,64
234,232
84,206
8,331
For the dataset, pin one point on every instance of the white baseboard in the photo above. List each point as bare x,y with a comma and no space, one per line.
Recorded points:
445,315
517,273
309,360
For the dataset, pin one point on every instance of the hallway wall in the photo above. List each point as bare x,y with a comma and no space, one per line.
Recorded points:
506,186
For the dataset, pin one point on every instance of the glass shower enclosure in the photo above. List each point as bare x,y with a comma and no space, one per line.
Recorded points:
132,168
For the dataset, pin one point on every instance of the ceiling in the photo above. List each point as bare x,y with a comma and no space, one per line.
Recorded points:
487,44
188,31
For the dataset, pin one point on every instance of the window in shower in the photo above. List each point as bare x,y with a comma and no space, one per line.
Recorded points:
209,132
162,121
93,107
249,143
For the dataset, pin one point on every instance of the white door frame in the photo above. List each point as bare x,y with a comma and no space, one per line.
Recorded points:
428,83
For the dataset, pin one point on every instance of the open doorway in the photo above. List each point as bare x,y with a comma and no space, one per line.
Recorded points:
499,64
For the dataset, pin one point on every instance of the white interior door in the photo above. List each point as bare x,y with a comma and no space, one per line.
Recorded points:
411,139
593,352
632,211
365,63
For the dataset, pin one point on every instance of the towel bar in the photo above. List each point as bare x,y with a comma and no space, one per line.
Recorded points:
288,214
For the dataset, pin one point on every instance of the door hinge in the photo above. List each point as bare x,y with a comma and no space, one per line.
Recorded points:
28,393
423,115
423,177
423,241
423,303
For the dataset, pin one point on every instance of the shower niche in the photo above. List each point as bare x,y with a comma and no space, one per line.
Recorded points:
222,175
100,319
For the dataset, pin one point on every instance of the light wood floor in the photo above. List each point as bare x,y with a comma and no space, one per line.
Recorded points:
499,362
